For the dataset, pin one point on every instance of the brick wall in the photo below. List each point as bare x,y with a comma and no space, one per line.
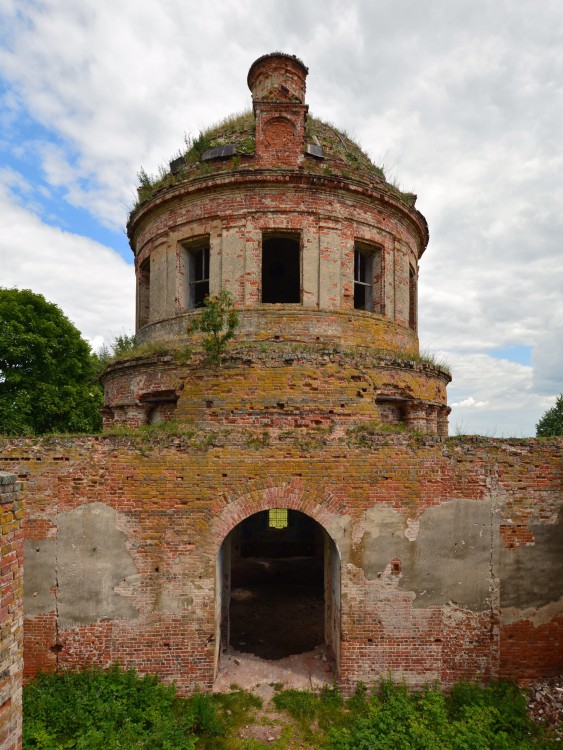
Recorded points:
449,549
281,387
234,211
11,612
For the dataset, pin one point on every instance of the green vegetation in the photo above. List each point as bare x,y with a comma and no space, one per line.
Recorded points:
315,713
47,371
122,346
338,145
257,442
126,347
470,718
218,320
361,434
342,155
425,357
551,424
238,129
148,436
94,710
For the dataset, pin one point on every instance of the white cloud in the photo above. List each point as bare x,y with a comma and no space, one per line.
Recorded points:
493,396
91,283
469,403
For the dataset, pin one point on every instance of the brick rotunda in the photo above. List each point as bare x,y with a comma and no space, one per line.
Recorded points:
321,255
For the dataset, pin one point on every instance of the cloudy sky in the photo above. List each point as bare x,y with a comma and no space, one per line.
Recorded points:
461,101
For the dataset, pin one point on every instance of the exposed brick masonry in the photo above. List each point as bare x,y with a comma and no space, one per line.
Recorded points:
11,612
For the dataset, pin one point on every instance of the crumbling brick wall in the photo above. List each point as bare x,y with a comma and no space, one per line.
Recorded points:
11,612
449,549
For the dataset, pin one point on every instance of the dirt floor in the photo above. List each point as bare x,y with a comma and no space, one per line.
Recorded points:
309,671
276,621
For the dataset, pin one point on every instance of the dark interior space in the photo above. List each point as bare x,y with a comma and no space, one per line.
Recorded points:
281,270
277,585
363,274
199,274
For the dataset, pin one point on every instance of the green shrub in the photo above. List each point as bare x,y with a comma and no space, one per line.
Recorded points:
107,710
471,718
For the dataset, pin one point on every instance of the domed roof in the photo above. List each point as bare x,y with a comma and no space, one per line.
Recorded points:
230,144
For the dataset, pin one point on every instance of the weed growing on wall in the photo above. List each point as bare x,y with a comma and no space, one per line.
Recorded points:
218,321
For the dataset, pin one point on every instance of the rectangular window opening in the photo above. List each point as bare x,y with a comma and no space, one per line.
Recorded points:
277,518
281,269
412,298
363,279
144,291
197,275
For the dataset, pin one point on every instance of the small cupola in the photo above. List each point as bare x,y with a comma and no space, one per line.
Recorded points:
278,83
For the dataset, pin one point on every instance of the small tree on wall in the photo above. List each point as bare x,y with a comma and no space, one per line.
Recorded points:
218,320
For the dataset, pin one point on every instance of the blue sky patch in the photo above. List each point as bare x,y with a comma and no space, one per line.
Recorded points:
517,353
21,140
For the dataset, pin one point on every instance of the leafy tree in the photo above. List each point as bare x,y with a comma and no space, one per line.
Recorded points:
551,424
47,371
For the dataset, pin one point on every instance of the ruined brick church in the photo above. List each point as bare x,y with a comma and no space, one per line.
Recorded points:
313,467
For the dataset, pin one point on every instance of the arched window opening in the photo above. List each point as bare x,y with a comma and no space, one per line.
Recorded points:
281,270
144,292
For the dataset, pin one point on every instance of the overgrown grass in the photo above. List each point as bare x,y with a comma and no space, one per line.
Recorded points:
315,712
179,352
472,717
342,155
426,357
236,709
106,710
362,432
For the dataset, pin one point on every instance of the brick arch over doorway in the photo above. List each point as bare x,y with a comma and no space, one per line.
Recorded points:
322,506
304,505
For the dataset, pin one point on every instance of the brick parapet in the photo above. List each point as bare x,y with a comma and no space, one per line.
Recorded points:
278,385
11,612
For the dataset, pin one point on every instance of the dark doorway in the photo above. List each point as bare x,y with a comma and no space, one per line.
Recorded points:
282,594
281,276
